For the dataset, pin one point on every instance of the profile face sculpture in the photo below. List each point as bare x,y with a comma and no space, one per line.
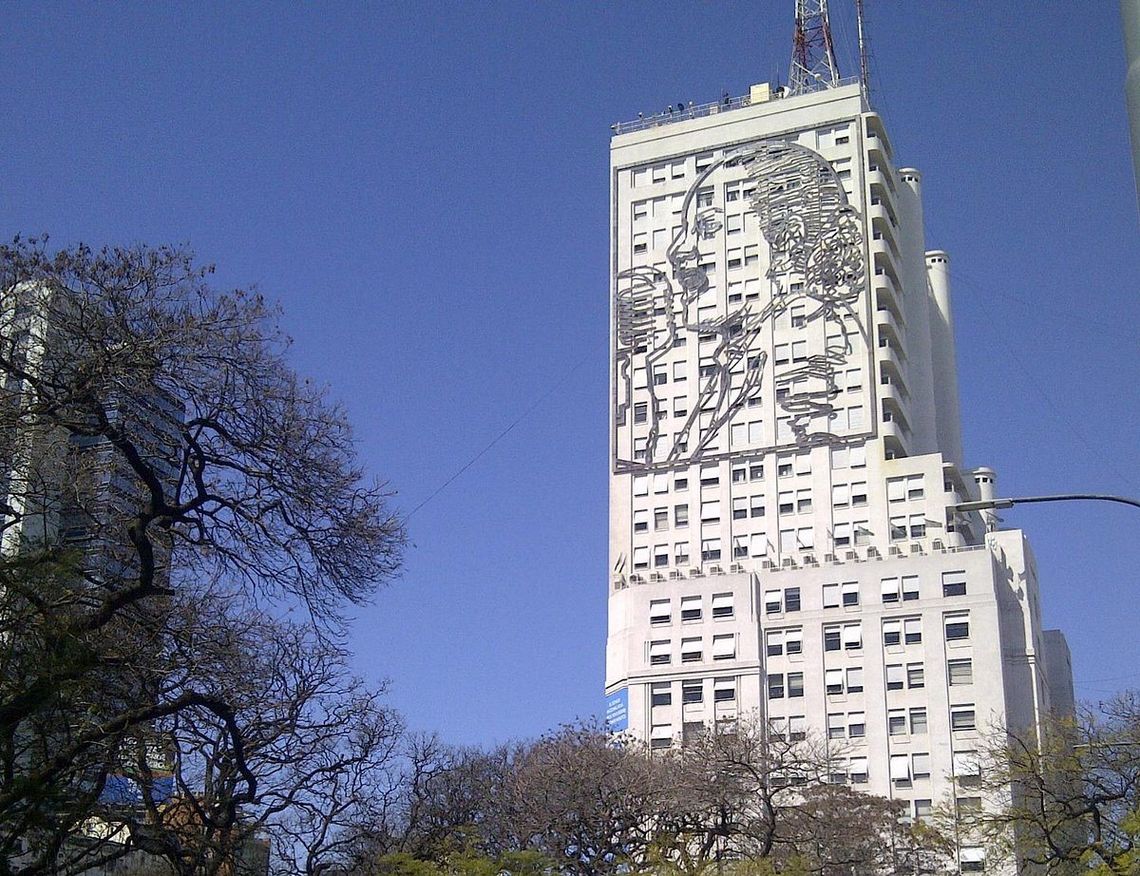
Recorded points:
815,264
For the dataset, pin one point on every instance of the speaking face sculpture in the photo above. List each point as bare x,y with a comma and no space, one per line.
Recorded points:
815,267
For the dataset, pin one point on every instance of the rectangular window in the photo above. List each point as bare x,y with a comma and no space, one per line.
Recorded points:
661,693
840,495
850,593
660,556
659,652
858,494
957,627
915,676
724,690
855,679
803,501
691,650
858,770
923,808
962,718
710,550
775,686
895,676
641,521
917,721
953,583
890,590
795,684
660,519
917,526
856,724
740,508
892,632
831,596
832,639
692,692
960,672
842,535
722,606
836,725
659,613
640,558
756,506
724,647
680,516
898,528
794,641
775,643
900,769
896,723
792,599
773,602
852,637
690,608
909,588
681,553
787,502
833,681
912,630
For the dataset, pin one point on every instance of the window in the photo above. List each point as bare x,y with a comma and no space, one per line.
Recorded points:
773,601
641,485
840,495
896,489
918,722
953,583
852,637
892,632
912,630
722,606
966,766
691,650
710,549
724,690
856,724
858,770
740,508
858,494
710,512
680,485
923,808
680,516
855,679
657,743
973,859
960,672
690,608
792,599
805,538
661,693
778,728
862,532
756,471
842,535
896,722
895,676
850,592
787,502
803,501
641,521
798,315
784,468
898,528
660,519
692,692
724,646
795,684
660,556
681,553
794,641
756,506
832,638
799,351
915,676
900,769
659,652
909,588
775,686
890,590
659,612
759,546
640,412
957,627
836,725
774,640
831,596
640,558
797,728
833,681
917,526
739,474
962,718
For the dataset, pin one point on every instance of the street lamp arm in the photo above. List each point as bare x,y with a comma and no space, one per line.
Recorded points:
986,504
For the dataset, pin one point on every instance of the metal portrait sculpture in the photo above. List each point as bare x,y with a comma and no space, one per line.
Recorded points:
816,258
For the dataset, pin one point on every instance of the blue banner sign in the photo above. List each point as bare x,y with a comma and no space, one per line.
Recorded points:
617,711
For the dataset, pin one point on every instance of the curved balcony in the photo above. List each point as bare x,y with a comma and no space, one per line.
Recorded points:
890,353
887,295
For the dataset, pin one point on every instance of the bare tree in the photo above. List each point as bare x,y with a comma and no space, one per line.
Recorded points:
158,459
1067,799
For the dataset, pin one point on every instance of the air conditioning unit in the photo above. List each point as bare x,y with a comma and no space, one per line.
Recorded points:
851,555
938,545
830,558
788,563
676,574
895,552
736,568
656,576
767,564
695,572
636,579
716,570
916,548
872,551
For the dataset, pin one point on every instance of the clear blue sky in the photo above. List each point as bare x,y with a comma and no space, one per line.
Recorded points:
423,187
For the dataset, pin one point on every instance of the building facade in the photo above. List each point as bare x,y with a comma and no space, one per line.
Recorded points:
786,457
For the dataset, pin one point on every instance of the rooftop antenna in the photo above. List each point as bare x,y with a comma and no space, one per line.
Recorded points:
813,52
864,71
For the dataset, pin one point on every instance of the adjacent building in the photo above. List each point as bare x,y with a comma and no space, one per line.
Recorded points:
786,457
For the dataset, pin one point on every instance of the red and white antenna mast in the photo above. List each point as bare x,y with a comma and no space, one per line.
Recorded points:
813,53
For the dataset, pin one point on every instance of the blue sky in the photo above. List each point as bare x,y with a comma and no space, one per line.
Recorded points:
423,187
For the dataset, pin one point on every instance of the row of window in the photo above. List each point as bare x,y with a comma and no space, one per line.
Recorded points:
846,594
692,609
899,676
659,652
692,692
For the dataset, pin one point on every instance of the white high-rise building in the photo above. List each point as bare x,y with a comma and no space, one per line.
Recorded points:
786,456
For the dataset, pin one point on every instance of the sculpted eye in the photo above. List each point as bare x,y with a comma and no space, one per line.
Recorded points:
707,224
